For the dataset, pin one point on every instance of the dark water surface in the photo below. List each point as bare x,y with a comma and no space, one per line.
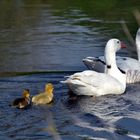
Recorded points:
103,118
40,36
37,35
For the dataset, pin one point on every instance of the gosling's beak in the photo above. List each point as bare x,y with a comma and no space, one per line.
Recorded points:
123,45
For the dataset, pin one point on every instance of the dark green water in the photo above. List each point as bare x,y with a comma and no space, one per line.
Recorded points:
48,35
39,35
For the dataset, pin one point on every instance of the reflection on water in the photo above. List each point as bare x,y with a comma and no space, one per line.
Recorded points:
108,117
49,35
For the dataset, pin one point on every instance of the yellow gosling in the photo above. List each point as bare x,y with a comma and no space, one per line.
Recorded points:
46,97
23,102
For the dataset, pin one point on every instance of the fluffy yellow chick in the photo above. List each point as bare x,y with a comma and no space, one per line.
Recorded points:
46,97
23,102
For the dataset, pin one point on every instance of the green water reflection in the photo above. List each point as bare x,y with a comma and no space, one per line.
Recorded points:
38,35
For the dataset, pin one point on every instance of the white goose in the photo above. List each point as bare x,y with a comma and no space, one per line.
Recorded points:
92,83
130,65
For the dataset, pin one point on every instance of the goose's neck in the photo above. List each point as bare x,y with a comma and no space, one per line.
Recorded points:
138,44
112,69
110,58
138,51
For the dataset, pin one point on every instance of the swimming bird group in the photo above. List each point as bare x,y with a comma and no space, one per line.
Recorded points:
42,98
108,74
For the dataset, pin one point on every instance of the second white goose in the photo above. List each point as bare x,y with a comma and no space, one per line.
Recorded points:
92,83
130,65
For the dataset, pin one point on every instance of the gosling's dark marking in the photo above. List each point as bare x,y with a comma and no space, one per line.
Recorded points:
17,101
27,90
122,71
109,66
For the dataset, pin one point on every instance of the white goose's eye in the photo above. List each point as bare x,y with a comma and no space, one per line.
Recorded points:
118,42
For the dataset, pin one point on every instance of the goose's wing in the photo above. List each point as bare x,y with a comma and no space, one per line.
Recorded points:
133,76
93,83
93,78
95,63
127,63
87,78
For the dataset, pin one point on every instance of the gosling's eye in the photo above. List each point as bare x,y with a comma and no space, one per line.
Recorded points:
118,42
